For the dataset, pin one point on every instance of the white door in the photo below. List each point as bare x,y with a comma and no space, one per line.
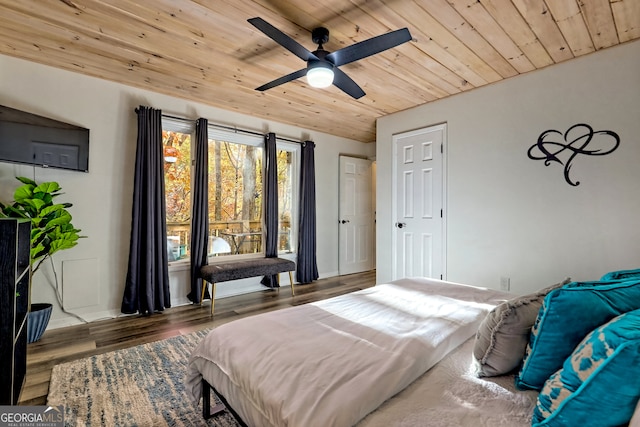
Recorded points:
355,220
419,238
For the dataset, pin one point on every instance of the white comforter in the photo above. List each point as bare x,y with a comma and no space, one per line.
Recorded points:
332,362
451,395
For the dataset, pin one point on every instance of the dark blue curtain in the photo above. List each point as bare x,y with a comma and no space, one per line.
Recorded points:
270,206
307,267
199,210
147,283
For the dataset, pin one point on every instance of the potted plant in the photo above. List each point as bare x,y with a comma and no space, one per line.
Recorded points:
51,231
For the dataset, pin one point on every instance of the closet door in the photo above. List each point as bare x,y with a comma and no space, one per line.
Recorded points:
419,215
355,218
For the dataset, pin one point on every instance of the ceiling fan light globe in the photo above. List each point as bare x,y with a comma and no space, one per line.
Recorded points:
320,77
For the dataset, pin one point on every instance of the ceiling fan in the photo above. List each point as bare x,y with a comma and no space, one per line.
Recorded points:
322,66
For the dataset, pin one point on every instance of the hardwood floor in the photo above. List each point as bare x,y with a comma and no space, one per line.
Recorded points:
76,342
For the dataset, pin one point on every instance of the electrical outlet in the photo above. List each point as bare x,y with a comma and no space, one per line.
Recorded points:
505,283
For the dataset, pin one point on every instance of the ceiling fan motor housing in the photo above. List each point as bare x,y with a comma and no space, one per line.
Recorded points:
320,35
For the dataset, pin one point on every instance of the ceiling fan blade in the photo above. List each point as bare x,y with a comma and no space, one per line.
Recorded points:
283,79
282,39
346,84
369,47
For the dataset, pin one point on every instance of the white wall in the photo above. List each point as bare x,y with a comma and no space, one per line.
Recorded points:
102,198
511,216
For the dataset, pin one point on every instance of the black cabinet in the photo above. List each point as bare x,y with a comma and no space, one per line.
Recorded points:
15,281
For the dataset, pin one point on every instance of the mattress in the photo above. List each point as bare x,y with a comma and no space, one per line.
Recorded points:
335,361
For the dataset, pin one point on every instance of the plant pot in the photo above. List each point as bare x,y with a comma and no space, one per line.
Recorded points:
38,320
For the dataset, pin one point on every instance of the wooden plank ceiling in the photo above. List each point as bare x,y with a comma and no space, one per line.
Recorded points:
206,51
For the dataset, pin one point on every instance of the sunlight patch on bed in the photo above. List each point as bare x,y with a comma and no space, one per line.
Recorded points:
415,313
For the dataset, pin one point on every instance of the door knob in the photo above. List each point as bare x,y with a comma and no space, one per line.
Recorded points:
401,224
344,221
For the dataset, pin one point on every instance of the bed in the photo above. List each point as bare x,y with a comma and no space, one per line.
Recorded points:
334,362
419,351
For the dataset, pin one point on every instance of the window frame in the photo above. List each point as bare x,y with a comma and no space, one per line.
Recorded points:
294,149
247,138
256,140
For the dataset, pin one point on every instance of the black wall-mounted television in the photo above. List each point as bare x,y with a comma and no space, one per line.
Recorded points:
35,140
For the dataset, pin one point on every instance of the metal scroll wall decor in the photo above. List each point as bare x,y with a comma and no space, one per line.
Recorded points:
554,146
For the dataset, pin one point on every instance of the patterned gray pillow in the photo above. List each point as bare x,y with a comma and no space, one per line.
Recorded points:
503,335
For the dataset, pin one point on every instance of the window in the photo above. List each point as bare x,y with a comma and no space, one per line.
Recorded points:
235,181
286,155
176,141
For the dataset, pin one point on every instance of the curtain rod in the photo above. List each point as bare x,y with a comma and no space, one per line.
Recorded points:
231,128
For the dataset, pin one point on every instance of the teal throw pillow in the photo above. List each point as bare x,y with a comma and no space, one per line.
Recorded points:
599,384
567,315
622,275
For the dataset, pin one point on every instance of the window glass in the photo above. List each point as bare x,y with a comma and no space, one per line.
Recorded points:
286,183
177,182
235,198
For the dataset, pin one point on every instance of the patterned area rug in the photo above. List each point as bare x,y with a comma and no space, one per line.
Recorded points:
138,386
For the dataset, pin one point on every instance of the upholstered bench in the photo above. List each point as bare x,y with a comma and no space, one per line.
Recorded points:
243,269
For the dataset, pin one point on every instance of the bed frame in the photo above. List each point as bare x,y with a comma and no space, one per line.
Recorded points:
208,411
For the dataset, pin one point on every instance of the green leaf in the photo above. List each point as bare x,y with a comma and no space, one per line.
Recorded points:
71,237
45,197
25,180
58,245
47,187
36,234
38,252
64,218
13,212
68,228
35,204
50,209
23,192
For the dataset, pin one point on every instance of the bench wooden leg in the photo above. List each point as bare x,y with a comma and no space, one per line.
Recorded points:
213,296
293,290
213,293
205,284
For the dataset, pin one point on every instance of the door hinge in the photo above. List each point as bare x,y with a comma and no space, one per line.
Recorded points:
441,215
441,148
